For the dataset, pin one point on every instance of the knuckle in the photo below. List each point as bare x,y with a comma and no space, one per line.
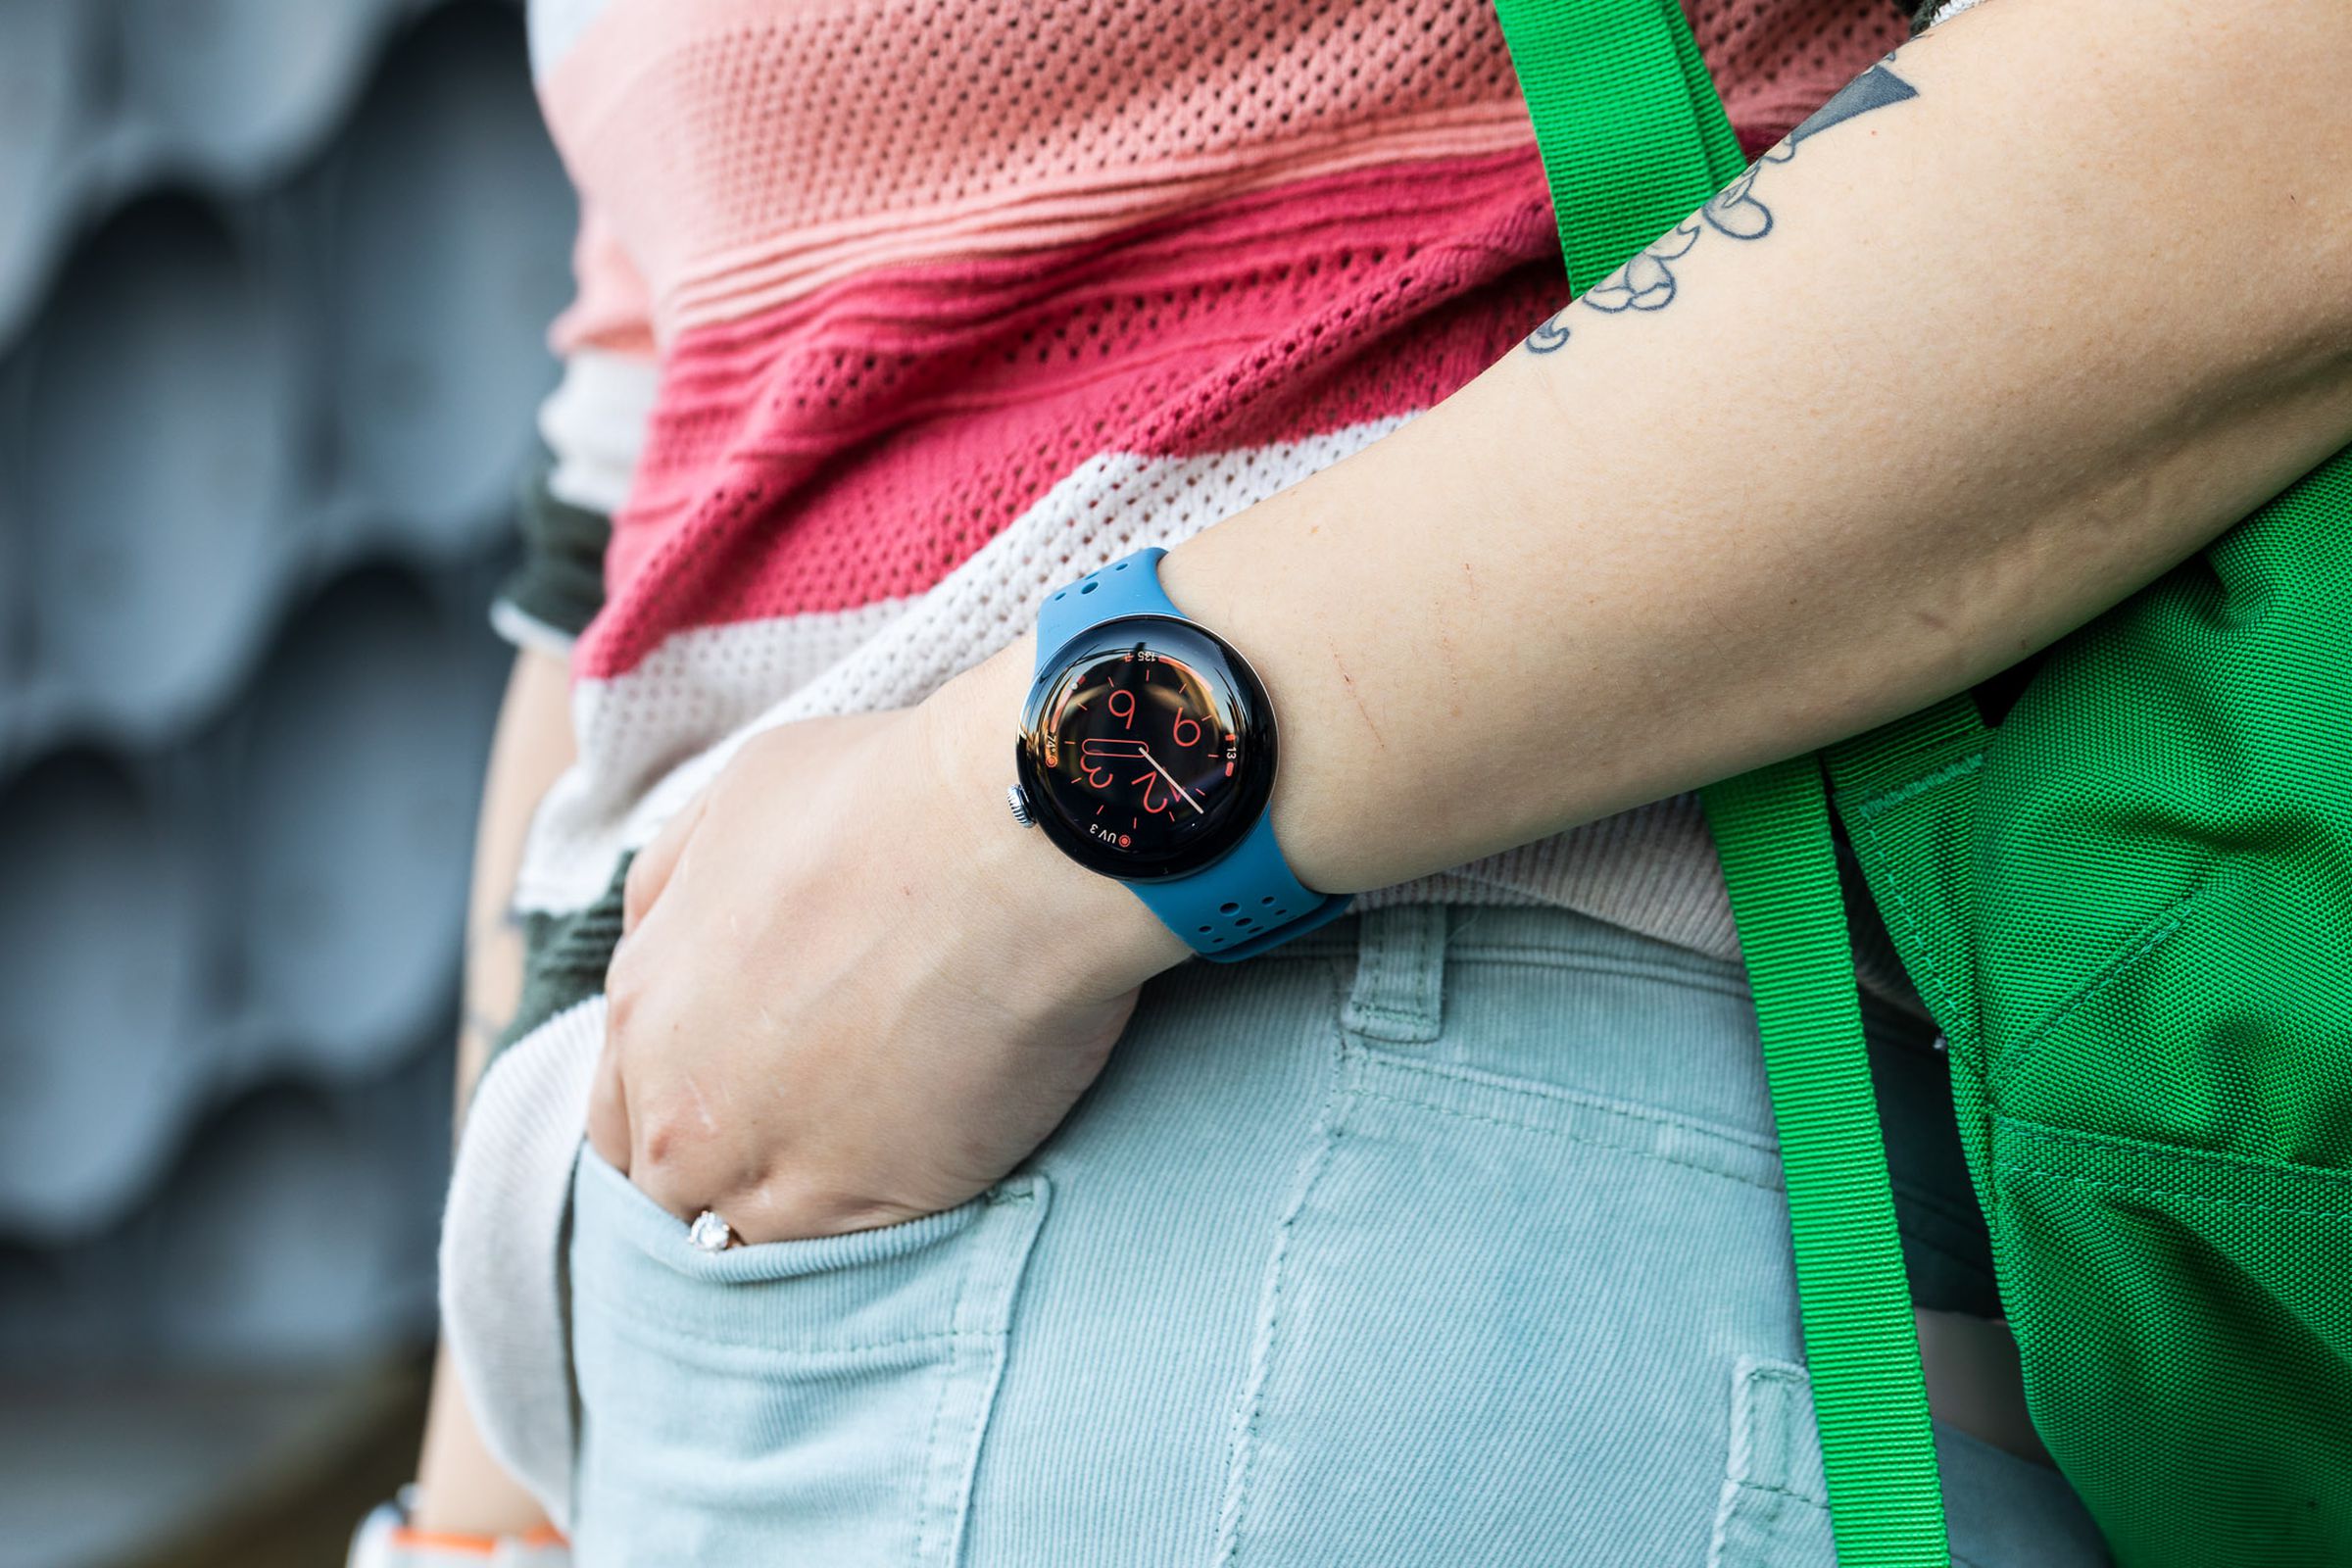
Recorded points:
625,994
670,1137
637,887
622,1004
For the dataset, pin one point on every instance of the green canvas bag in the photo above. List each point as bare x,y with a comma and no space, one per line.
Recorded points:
2128,905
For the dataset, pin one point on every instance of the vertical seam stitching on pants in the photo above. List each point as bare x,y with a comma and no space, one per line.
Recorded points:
948,1366
1014,1269
1261,1356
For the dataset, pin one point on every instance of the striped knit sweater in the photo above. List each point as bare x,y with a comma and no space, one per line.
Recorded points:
893,315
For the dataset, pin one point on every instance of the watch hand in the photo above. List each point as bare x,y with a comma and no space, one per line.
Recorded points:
1172,784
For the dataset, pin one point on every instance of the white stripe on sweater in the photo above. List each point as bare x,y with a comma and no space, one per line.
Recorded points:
704,692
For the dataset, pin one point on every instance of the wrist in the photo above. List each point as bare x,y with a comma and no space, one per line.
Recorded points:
1043,896
396,1536
1332,838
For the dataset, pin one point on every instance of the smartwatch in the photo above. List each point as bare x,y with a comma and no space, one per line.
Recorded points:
1147,752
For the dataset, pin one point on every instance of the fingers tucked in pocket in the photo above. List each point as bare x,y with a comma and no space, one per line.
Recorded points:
802,1402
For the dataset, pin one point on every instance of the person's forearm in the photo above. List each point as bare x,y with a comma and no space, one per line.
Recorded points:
461,1489
2012,346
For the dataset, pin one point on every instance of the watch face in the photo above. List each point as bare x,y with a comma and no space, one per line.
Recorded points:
1147,748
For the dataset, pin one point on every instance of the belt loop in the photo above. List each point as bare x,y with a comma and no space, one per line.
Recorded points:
1399,990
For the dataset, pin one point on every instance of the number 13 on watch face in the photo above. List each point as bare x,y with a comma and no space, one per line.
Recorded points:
1147,748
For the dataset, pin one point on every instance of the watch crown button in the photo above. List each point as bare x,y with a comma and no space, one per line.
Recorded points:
1018,799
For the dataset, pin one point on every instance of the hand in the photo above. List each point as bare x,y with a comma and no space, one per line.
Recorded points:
850,991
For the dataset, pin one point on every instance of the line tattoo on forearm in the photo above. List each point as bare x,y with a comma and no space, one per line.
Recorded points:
1648,281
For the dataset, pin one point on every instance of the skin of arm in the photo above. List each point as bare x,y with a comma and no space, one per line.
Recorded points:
1938,382
461,1489
2012,348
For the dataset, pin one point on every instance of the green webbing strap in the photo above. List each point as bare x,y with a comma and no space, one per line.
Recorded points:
1772,832
1634,139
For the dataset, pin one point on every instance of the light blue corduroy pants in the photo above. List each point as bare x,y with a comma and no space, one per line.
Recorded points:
1439,1237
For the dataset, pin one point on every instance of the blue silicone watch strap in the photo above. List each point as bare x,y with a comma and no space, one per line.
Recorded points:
1128,586
1243,903
1248,901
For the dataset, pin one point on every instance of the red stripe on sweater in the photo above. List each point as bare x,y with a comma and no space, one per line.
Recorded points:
860,444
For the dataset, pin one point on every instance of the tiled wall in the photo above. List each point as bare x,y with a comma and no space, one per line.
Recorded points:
274,278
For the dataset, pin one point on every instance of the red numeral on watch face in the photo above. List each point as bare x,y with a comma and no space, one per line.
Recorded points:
1155,774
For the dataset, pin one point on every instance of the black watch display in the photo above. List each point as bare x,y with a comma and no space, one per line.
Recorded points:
1147,748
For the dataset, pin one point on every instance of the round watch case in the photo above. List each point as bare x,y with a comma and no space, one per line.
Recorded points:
1204,666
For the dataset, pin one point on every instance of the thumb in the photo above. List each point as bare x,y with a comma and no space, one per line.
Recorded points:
650,872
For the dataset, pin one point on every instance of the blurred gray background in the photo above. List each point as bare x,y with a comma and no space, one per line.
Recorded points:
275,277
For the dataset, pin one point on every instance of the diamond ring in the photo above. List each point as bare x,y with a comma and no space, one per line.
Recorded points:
710,1233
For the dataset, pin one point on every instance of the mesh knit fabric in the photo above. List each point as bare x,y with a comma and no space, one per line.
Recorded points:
955,302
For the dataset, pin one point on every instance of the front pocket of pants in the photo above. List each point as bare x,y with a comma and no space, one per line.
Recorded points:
1494,1326
802,1402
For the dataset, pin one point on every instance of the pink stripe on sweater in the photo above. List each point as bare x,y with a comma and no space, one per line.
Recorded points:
756,149
1062,212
